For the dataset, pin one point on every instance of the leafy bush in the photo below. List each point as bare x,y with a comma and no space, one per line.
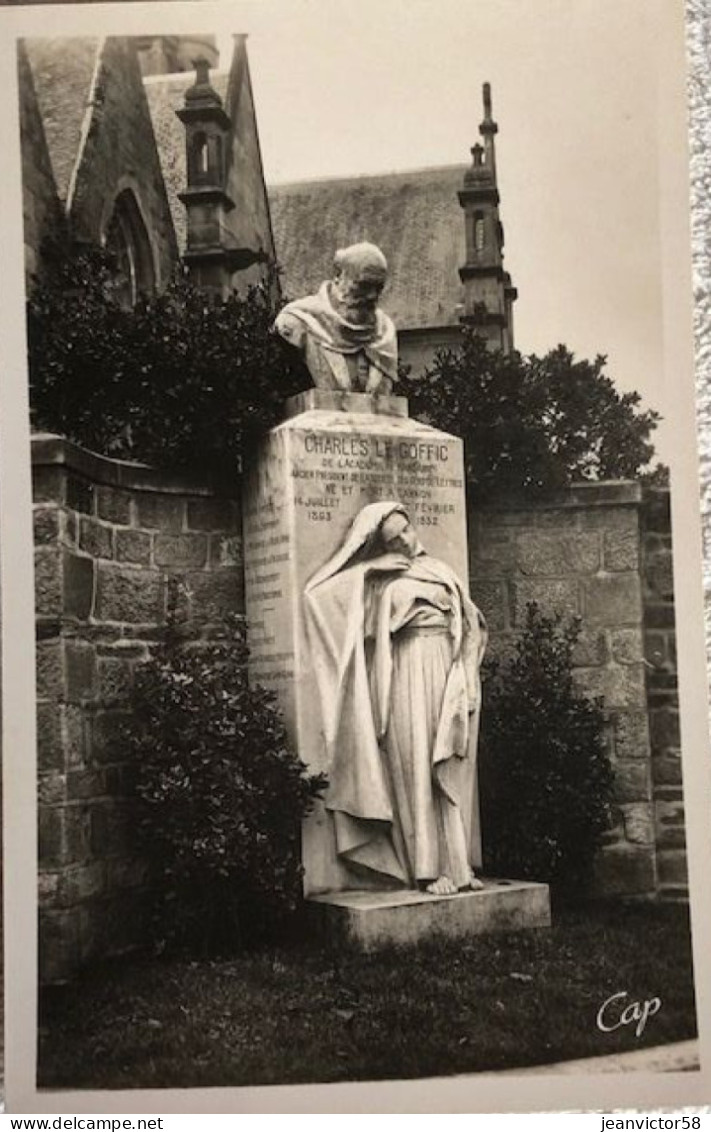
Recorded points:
222,794
546,777
531,424
184,379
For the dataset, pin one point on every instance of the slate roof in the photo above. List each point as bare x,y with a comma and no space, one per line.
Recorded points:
62,73
416,219
166,95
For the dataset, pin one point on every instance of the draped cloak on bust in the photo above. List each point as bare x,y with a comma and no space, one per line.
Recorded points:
313,324
348,613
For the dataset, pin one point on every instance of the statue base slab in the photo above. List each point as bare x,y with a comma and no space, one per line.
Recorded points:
344,401
370,920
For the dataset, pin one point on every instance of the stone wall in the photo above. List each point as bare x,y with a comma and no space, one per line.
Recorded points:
582,554
662,694
112,540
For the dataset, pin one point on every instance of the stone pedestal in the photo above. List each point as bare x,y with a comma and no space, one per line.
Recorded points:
333,454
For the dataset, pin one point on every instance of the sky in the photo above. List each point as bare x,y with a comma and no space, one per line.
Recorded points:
344,88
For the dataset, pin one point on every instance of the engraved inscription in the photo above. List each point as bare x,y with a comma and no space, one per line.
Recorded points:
336,472
266,584
310,483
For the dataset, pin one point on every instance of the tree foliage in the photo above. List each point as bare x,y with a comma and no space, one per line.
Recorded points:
531,424
222,794
184,379
546,777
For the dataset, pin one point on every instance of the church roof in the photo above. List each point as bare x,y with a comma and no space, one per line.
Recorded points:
414,217
165,96
62,74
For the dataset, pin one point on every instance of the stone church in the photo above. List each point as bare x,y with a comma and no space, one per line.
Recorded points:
104,148
158,163
132,147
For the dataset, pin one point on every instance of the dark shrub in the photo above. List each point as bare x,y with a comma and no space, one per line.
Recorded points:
222,795
546,778
183,379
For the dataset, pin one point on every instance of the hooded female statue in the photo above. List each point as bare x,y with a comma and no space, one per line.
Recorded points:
396,646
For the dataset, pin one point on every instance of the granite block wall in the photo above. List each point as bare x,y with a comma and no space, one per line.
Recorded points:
114,544
662,694
603,552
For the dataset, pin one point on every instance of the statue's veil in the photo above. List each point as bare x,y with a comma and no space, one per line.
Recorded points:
359,542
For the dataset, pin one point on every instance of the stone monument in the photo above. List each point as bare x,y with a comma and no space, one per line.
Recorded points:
360,620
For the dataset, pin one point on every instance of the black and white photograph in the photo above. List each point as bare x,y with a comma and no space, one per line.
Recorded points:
364,741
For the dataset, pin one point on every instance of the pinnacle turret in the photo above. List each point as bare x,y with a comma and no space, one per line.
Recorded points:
488,291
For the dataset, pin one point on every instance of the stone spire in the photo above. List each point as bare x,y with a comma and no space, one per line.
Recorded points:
210,255
488,291
488,130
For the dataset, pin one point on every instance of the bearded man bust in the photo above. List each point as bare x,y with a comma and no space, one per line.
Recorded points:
347,342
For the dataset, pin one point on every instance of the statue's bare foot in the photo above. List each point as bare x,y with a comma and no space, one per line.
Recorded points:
474,883
443,886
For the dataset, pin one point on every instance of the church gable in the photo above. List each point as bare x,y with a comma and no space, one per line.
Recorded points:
41,205
249,222
118,183
62,73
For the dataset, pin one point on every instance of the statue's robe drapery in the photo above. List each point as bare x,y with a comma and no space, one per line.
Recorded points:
396,655
330,344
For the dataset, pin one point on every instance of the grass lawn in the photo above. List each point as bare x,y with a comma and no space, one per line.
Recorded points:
297,1014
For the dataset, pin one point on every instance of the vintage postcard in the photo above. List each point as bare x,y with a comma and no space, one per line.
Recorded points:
354,688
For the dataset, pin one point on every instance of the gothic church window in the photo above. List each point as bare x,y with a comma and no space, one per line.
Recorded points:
127,239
